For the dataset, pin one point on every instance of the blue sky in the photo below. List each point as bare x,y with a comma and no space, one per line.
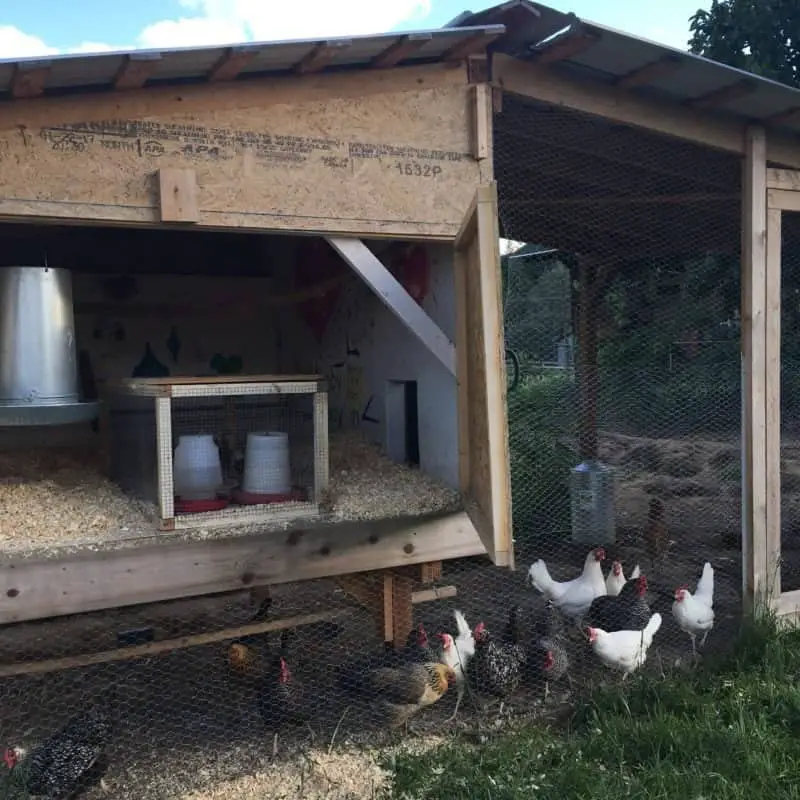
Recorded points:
41,27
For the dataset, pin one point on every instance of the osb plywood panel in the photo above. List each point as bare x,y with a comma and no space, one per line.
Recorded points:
392,162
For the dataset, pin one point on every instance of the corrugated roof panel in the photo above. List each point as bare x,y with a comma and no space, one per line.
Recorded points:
617,53
76,71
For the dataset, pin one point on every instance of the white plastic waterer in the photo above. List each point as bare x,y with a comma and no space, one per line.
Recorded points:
197,469
266,463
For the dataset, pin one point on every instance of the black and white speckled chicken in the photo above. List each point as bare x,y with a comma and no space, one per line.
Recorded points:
67,761
628,611
496,668
542,636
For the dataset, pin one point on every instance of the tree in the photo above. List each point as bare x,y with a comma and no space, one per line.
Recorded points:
759,36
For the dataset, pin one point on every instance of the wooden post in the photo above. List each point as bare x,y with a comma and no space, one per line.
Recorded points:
755,584
587,352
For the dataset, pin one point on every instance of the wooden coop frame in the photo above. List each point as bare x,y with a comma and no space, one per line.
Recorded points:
766,193
133,179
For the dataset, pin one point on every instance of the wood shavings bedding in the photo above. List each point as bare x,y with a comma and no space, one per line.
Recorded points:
365,484
57,498
54,495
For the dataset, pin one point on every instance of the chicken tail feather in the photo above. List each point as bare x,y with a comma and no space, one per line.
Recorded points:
539,577
461,624
636,573
651,629
705,586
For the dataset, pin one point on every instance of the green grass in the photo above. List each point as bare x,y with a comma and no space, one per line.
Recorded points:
729,730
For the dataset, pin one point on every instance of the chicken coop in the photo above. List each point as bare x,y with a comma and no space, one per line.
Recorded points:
251,326
254,326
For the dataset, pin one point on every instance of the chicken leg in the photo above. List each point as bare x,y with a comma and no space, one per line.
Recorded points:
459,697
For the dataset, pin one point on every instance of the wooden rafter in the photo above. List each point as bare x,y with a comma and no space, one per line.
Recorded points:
721,97
136,70
566,47
231,64
30,80
476,43
320,56
400,50
654,71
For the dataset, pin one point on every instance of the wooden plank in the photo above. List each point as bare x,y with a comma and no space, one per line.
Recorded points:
29,80
136,70
321,56
488,482
216,380
262,152
401,49
649,73
177,190
773,402
159,570
788,605
436,593
783,179
166,487
460,268
394,296
321,447
231,64
782,200
615,103
754,434
482,121
165,646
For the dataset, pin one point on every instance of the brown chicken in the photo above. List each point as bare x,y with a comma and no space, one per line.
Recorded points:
400,692
655,532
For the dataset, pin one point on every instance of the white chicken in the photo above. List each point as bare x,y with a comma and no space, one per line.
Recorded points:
574,597
625,651
694,613
457,653
616,578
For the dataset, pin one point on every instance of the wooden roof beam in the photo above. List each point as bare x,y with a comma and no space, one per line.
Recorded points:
231,64
565,47
648,73
400,50
476,43
667,117
721,97
320,57
30,79
136,70
789,117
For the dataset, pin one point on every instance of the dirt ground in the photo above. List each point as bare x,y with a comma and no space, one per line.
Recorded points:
188,727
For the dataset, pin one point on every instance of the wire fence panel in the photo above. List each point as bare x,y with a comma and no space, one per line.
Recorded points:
624,405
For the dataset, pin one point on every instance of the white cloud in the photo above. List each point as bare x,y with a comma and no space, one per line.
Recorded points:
227,21
15,43
221,22
93,47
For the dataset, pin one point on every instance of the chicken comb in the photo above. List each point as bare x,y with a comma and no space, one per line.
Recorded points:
479,628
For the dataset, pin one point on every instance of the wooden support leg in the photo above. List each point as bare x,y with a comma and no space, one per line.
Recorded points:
402,608
430,572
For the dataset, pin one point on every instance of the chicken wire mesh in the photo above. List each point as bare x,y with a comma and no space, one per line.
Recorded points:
790,408
622,323
621,314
